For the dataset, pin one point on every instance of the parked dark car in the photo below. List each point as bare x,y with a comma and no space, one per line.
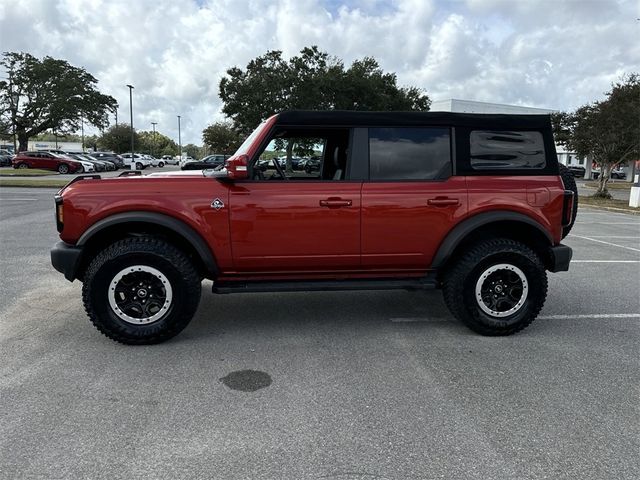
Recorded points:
5,158
577,170
211,161
111,157
312,165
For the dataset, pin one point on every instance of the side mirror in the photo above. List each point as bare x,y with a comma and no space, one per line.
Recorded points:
237,167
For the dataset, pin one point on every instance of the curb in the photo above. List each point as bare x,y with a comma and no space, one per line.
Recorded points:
612,209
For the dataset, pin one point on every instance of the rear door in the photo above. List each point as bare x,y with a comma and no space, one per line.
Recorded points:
411,199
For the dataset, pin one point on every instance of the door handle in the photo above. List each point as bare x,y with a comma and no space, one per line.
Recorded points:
443,201
335,203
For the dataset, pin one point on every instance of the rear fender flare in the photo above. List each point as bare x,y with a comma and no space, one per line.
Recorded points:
468,226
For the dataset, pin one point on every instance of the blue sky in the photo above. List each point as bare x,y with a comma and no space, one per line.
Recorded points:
555,54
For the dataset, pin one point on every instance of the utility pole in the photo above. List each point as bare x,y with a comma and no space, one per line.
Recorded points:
179,139
131,112
153,144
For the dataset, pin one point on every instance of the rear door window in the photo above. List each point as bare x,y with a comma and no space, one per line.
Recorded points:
509,150
409,153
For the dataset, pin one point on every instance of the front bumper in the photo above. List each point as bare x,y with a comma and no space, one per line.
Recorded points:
65,258
559,258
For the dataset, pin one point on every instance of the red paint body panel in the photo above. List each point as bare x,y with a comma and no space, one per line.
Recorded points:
289,226
513,193
186,198
401,229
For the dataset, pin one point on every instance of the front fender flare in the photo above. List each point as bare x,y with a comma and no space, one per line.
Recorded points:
177,226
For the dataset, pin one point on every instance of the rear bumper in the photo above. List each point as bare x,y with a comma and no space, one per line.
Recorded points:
65,258
559,258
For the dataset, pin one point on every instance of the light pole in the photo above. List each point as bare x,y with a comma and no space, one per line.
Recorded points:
179,139
131,112
153,144
82,130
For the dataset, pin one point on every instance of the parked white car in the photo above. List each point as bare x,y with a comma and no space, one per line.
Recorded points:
169,160
139,161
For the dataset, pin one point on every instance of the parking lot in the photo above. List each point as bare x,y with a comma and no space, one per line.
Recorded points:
357,385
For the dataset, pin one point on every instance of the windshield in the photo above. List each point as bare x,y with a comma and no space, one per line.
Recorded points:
244,148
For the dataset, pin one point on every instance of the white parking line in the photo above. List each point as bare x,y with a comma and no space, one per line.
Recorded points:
543,317
606,243
605,261
607,223
636,237
590,315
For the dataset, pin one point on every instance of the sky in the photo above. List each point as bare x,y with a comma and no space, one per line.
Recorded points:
550,54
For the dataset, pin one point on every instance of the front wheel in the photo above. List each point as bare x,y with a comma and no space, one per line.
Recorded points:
23,165
141,291
63,168
161,164
138,166
498,287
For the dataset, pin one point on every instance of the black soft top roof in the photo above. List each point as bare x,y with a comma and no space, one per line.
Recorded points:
388,119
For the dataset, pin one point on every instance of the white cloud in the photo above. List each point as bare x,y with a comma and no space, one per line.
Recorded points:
556,54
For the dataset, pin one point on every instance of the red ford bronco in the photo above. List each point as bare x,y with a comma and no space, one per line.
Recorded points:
474,204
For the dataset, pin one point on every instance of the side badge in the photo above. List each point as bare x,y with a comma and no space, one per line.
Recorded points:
217,204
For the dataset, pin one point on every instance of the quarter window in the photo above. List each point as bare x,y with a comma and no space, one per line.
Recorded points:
491,149
409,153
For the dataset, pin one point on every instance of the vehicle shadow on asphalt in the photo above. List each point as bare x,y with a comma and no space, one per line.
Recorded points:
310,312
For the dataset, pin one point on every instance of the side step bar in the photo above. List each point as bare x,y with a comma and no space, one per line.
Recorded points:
325,285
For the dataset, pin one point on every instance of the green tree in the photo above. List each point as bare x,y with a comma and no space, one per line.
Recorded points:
191,150
118,139
156,144
49,94
608,131
312,80
221,137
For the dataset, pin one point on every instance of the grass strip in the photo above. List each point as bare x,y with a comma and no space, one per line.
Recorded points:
26,182
611,185
24,172
607,204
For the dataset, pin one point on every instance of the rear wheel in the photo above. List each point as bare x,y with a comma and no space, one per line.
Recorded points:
498,287
63,168
141,291
23,165
161,164
138,166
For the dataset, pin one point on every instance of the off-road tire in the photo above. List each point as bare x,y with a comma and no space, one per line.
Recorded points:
157,254
459,286
569,184
63,168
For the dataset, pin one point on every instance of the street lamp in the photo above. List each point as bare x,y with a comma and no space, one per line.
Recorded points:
153,143
131,112
179,139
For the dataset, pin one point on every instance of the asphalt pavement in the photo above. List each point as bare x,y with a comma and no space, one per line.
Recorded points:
336,385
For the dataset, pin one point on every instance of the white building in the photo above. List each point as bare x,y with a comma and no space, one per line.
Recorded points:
470,106
53,145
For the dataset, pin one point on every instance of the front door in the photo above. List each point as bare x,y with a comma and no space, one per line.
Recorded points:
289,219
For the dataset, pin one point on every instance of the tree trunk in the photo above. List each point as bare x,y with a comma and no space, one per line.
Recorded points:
289,166
603,179
23,140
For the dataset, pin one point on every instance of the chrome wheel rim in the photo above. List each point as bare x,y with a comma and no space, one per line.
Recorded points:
501,290
140,294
